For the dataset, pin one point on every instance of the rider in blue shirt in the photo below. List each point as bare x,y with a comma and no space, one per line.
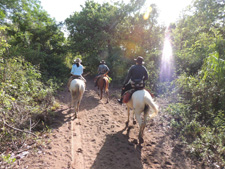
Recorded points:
76,71
77,68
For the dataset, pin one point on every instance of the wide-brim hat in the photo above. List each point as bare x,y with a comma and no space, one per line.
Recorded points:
78,60
102,62
139,59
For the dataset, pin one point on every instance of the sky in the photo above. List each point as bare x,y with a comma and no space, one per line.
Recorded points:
169,10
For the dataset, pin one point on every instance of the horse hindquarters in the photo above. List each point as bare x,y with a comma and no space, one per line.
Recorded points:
141,101
77,88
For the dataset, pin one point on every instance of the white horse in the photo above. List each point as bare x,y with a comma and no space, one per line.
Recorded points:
77,88
141,101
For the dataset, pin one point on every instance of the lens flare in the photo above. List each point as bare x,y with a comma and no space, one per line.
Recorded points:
147,13
167,61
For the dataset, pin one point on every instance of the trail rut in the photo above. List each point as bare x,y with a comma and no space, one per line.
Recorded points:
99,138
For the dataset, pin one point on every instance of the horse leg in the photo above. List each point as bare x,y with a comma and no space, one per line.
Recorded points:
145,121
107,95
134,121
140,136
71,103
106,88
142,127
138,118
128,116
101,91
75,110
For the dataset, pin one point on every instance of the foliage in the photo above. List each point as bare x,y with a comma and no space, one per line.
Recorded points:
117,33
23,98
201,109
34,35
196,36
32,49
199,115
8,159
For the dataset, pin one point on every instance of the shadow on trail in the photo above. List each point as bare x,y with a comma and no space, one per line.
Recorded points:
159,157
88,101
118,152
63,115
59,118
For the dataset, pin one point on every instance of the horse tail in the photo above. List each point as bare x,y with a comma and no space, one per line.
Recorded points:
149,101
106,84
81,90
77,91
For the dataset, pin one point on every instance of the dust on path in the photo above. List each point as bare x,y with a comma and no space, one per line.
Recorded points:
99,139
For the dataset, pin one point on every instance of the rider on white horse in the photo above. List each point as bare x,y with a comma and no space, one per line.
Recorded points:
76,71
136,72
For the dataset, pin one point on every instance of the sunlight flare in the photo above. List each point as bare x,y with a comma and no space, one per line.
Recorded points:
167,61
147,13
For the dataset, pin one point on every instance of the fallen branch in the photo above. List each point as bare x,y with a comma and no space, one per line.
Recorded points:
7,125
35,124
86,74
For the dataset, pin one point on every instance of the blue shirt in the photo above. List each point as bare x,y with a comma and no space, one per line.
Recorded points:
77,70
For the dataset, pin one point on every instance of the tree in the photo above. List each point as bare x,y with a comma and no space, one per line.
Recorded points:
116,32
33,34
195,34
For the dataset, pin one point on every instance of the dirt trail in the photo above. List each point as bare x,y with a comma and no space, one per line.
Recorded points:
99,139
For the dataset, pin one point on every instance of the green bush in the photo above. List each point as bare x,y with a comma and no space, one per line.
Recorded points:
23,98
199,115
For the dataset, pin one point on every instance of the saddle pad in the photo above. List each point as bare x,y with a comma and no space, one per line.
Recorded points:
126,97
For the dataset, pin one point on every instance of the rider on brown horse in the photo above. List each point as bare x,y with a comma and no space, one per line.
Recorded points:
76,71
102,69
137,73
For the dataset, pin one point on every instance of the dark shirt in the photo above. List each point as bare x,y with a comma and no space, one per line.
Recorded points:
136,72
103,69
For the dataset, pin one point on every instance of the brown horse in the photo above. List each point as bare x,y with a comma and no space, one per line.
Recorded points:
103,84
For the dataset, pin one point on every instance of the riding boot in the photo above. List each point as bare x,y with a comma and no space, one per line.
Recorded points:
96,82
120,101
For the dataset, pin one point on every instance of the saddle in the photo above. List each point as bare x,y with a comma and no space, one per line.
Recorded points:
127,95
99,76
77,77
136,84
